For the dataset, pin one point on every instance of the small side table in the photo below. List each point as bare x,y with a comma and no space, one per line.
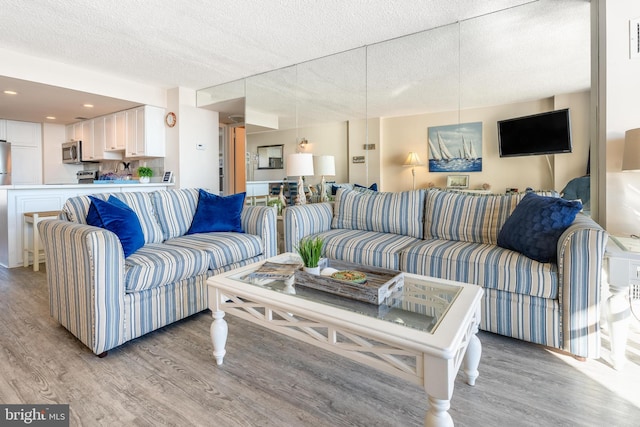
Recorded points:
623,256
33,218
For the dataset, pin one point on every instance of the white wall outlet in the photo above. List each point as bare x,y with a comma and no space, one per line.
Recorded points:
199,146
634,38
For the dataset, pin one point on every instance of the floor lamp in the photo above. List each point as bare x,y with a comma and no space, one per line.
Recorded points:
324,165
412,161
300,164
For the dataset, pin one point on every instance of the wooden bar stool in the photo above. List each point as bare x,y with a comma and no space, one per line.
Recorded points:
32,219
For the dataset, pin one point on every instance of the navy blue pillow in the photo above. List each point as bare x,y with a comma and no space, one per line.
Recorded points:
116,216
534,227
217,213
372,187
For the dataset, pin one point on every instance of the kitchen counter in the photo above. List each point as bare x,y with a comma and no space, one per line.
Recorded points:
15,200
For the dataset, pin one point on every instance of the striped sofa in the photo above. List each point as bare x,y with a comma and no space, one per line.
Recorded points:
106,300
453,235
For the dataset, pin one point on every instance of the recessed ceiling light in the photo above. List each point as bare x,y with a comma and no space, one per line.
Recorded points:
50,118
88,105
10,92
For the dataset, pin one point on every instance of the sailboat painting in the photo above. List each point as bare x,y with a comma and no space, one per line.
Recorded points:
455,148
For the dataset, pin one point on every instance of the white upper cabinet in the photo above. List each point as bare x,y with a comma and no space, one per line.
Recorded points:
88,152
101,126
115,131
3,129
145,132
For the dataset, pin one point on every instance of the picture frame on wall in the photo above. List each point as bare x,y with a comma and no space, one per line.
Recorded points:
458,181
455,148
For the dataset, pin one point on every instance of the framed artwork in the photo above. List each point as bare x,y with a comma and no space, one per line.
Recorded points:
455,148
458,181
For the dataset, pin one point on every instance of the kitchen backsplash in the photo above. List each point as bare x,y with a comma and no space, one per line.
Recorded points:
123,169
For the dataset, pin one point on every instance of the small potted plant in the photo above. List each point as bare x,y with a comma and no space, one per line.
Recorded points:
145,174
310,250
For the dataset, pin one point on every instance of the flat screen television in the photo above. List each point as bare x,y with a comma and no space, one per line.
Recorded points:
544,133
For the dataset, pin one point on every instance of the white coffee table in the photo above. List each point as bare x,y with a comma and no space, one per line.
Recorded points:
423,334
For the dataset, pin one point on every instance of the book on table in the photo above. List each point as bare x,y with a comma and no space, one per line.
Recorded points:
275,271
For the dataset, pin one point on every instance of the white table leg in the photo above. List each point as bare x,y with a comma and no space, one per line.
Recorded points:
219,331
437,414
618,316
471,359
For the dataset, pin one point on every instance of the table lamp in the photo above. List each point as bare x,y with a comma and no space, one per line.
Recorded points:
631,157
413,160
324,165
300,164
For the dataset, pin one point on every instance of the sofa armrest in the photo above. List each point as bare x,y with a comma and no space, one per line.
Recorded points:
85,275
305,220
261,221
581,251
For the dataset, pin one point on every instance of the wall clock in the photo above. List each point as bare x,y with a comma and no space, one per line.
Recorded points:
170,119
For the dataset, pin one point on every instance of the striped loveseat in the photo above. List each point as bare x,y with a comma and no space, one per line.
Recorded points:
105,299
454,235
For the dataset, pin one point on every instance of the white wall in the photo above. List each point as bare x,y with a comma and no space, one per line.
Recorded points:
400,135
196,127
328,139
54,171
622,114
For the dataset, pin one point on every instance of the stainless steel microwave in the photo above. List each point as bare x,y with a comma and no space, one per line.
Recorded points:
72,152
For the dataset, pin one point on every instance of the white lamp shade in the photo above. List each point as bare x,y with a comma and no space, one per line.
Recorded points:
413,160
300,164
324,165
631,157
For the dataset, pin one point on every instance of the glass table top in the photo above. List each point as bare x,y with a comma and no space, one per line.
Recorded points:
420,304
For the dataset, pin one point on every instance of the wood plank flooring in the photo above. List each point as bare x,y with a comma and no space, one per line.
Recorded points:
169,378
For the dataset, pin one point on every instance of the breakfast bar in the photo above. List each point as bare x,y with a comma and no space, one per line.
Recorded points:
15,200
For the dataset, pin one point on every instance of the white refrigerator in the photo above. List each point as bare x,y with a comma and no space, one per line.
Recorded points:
5,163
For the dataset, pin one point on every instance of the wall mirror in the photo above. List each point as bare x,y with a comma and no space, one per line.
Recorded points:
492,66
270,157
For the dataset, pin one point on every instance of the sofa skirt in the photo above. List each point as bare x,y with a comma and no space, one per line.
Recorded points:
523,317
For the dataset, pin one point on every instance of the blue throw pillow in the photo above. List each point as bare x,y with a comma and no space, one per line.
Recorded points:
117,217
372,187
217,213
534,227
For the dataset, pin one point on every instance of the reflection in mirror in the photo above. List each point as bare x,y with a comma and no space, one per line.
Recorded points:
387,95
270,157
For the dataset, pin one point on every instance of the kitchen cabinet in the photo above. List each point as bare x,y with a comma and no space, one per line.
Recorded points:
3,129
25,134
26,151
100,127
115,131
86,136
145,132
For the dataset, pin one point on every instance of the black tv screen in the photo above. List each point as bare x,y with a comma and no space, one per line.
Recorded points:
544,133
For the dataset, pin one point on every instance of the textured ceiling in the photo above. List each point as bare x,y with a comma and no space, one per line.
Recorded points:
200,43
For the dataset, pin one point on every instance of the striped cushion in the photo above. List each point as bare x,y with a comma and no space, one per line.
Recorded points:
141,204
76,208
366,247
398,213
157,264
467,217
222,248
485,265
175,210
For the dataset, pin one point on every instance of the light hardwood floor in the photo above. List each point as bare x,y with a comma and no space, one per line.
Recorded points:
169,378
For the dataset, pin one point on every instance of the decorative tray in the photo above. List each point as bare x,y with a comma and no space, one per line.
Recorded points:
378,285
